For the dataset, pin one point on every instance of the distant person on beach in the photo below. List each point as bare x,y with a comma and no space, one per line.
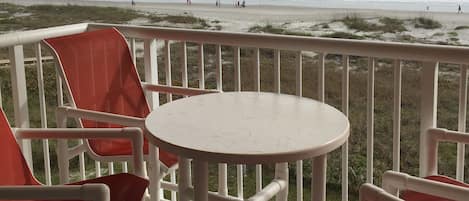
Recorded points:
244,4
133,3
237,4
459,8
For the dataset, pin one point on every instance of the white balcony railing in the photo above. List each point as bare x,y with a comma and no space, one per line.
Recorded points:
224,57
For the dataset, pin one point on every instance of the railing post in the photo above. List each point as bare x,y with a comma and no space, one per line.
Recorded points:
20,98
429,81
151,70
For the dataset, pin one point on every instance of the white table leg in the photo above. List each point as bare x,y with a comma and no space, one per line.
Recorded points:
318,187
184,179
281,172
200,180
154,173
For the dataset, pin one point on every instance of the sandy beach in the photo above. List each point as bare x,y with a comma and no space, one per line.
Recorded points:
301,19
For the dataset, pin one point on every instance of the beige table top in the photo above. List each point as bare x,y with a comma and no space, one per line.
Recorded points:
247,127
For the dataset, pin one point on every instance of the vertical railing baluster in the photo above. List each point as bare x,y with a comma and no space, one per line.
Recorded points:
1,97
151,70
172,176
42,109
461,121
345,109
257,70
237,69
133,50
277,71
257,87
321,76
299,92
81,162
20,98
167,64
222,167
110,167
151,76
97,166
219,68
370,120
396,137
237,87
201,67
428,115
184,64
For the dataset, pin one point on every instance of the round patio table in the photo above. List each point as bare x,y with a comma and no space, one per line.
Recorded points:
248,128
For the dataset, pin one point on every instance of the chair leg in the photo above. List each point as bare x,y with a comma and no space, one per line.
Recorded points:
281,172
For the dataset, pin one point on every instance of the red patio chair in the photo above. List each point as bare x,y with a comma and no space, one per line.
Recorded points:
104,91
411,185
18,183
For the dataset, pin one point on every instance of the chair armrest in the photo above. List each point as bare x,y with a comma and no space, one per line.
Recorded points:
395,181
133,134
123,120
85,192
436,135
177,90
370,192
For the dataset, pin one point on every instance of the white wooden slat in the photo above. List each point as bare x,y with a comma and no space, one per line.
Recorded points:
201,67
397,116
370,120
167,65
345,110
428,108
172,176
42,110
461,121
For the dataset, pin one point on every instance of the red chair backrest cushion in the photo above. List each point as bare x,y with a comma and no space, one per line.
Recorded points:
101,75
13,167
100,72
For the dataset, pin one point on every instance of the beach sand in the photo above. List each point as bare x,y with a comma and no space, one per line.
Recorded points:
294,18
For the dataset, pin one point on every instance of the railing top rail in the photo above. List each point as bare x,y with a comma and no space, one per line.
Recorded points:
34,36
379,49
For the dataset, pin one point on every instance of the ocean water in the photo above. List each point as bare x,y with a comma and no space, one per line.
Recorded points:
407,5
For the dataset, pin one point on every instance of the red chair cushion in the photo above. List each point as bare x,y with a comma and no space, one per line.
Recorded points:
101,76
415,196
123,187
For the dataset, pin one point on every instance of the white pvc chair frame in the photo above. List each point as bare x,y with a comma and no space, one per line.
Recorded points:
393,182
370,192
86,192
